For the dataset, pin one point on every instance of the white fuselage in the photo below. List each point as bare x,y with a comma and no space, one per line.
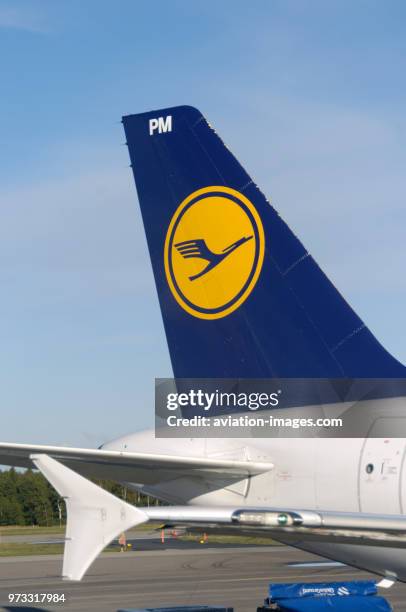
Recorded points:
319,473
363,474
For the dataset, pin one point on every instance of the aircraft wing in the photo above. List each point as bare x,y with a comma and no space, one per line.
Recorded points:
341,525
95,517
288,525
279,519
145,468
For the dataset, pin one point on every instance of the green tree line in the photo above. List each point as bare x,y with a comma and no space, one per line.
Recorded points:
27,498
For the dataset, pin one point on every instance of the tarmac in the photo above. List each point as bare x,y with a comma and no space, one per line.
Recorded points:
169,574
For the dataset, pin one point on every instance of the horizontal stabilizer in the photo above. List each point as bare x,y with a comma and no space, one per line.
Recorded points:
96,517
147,468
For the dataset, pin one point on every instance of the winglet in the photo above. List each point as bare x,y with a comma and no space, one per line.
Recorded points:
95,517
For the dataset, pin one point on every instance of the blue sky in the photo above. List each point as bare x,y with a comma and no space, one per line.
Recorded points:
310,96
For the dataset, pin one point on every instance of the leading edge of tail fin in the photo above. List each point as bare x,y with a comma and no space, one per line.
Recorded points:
240,295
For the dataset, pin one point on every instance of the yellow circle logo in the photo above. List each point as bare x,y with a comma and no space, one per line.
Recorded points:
214,250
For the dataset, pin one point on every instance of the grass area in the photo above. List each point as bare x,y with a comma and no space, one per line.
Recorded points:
23,549
145,527
11,530
29,530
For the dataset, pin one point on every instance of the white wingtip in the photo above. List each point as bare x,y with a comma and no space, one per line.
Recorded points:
386,583
94,516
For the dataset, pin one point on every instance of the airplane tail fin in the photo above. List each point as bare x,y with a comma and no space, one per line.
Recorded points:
240,295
